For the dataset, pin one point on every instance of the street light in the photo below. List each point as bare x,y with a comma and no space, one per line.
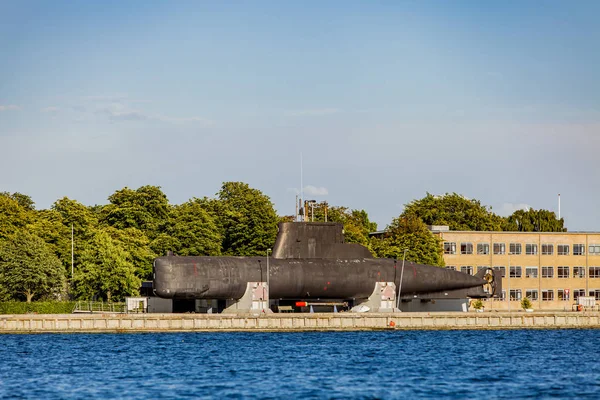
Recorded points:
268,251
400,286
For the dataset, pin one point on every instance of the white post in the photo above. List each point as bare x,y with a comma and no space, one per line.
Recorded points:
268,251
72,252
400,285
559,206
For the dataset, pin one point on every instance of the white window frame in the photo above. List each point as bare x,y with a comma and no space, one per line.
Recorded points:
452,246
483,248
515,248
468,248
548,298
548,268
531,272
531,249
466,268
549,249
529,293
562,253
501,248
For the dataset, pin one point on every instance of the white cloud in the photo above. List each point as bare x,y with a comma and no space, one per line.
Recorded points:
126,116
106,98
313,112
175,120
50,109
123,111
315,191
508,208
10,107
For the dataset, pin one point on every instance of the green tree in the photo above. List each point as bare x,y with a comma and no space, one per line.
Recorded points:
83,219
356,222
49,226
455,211
137,248
146,208
105,270
246,219
23,200
13,216
534,221
194,231
410,233
29,268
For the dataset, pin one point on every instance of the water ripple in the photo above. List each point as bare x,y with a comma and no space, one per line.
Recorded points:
311,365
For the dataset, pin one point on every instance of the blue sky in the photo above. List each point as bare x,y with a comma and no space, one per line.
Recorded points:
498,101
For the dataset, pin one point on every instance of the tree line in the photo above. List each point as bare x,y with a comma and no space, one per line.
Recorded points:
114,244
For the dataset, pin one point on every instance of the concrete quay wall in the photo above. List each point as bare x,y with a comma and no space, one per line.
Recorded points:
73,323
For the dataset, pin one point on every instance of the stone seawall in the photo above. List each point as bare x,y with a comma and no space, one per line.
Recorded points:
72,323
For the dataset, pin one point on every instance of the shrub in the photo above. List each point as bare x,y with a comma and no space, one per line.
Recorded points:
38,307
478,304
525,303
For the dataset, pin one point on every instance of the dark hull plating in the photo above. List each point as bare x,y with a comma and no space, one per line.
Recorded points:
226,278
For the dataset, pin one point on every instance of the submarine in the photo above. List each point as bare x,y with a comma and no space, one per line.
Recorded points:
311,264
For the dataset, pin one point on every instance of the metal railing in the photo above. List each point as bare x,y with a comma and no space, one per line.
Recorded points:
99,307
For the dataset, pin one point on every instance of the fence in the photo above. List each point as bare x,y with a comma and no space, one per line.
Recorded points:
99,307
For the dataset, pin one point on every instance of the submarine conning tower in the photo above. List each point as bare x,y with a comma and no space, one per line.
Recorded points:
315,240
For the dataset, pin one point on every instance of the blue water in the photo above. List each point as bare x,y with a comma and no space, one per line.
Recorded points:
329,365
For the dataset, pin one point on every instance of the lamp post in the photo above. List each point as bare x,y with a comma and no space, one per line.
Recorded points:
401,276
72,253
268,251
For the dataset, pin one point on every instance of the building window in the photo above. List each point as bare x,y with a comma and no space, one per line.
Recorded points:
466,248
563,294
562,272
467,269
531,272
562,249
502,270
515,271
547,249
515,248
578,272
594,249
503,295
449,248
515,294
452,267
578,249
577,293
481,267
532,294
531,249
483,248
499,248
594,272
547,295
595,293
547,272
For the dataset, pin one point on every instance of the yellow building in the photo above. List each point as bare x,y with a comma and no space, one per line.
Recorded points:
552,269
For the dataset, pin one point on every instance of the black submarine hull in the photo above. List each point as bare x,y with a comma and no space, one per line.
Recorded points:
227,278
